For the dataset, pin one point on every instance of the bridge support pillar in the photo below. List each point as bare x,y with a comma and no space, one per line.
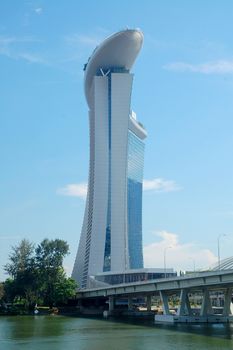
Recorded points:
80,305
148,302
184,308
130,303
164,299
206,307
111,304
227,302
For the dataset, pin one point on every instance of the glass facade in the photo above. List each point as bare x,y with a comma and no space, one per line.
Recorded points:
134,190
135,178
133,277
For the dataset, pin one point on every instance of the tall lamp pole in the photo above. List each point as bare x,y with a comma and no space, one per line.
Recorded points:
219,261
194,264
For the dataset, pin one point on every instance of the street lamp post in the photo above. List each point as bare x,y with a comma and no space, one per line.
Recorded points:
219,261
164,260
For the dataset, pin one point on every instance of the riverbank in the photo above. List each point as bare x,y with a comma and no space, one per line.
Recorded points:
38,311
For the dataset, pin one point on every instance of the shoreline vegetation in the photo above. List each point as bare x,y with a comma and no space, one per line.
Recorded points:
38,283
14,310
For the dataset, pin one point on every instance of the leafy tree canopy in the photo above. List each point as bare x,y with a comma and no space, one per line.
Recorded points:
37,273
21,258
2,291
50,253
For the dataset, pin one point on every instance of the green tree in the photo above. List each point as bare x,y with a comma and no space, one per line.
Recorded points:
49,260
23,272
50,253
37,274
65,288
20,258
2,291
10,287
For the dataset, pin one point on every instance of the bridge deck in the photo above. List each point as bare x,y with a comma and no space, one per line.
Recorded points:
213,280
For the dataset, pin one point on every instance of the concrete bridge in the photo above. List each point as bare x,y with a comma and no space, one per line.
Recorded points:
204,284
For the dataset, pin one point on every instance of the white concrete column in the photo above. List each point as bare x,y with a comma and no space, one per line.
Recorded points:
111,303
148,302
164,299
130,303
206,307
188,306
184,307
80,305
227,302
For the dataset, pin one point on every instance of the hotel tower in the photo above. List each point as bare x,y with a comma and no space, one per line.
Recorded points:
111,237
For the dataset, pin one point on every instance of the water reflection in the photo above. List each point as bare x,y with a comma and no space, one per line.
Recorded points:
31,326
57,332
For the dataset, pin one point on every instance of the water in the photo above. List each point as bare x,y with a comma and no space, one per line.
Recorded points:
67,333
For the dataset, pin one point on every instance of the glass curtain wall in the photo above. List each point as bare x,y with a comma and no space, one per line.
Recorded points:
135,178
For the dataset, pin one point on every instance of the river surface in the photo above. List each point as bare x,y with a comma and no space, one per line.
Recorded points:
73,333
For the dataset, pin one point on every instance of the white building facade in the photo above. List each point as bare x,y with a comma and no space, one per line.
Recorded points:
111,237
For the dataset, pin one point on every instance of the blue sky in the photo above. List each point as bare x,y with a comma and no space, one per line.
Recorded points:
182,93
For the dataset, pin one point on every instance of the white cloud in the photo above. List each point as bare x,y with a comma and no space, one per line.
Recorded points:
88,40
73,190
38,10
156,185
6,40
68,269
160,185
214,67
31,58
15,48
6,43
181,256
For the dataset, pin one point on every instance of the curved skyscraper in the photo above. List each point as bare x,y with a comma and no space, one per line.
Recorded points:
111,238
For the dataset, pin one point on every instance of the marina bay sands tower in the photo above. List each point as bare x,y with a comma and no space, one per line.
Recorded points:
111,237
